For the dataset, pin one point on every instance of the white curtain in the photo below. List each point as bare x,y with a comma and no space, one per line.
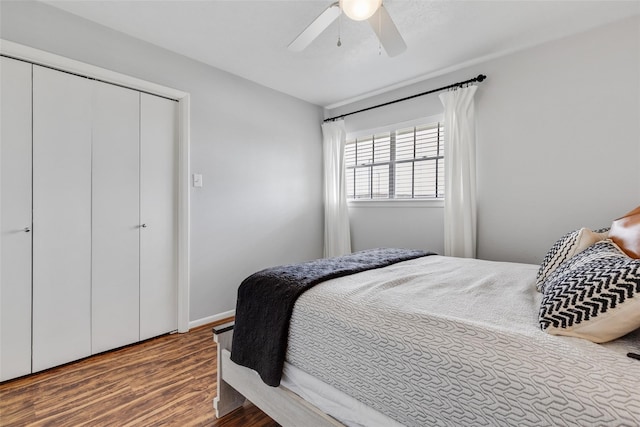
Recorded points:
460,173
337,237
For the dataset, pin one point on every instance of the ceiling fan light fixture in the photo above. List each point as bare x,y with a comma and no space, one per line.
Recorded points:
359,10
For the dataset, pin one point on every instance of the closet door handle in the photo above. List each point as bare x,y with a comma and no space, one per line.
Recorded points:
27,229
144,226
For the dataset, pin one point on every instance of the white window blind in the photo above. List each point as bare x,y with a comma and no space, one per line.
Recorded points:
406,163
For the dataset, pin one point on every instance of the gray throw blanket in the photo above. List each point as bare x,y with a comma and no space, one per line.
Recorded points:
266,298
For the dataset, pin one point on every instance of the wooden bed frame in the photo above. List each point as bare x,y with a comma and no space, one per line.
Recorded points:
237,383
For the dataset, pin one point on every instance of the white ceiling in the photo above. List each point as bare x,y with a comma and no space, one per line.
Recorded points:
250,38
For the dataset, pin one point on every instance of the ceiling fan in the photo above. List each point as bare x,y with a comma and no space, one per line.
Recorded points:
358,10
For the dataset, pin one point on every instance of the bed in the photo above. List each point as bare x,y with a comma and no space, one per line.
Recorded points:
432,341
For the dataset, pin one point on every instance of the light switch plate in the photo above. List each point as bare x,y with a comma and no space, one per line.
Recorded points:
197,180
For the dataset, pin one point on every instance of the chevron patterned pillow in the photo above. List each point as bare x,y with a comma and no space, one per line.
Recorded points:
567,246
595,295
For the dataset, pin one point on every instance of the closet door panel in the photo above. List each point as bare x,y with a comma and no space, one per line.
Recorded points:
15,218
158,211
61,217
116,215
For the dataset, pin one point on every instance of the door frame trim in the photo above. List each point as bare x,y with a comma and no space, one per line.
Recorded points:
47,59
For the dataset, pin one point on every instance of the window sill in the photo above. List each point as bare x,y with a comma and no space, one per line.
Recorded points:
396,203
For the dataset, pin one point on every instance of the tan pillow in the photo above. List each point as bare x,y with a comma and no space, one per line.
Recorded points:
625,232
588,238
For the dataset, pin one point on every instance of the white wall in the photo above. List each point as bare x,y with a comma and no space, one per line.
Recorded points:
257,150
397,225
558,143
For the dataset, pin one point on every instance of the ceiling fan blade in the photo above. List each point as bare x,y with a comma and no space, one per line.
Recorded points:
387,32
315,28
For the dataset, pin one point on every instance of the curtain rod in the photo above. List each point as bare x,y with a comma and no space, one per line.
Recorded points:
480,78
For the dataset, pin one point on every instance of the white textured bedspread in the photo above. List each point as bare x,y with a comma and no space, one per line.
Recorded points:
449,341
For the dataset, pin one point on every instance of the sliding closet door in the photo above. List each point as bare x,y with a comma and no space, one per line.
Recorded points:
116,214
61,217
15,218
158,214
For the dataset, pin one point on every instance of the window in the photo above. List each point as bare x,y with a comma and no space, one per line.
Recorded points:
406,163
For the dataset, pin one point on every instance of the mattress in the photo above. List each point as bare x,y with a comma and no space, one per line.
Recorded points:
450,341
329,400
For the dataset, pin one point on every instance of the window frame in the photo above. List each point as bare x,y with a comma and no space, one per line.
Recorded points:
395,202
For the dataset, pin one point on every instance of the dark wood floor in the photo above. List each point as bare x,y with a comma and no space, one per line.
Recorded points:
168,381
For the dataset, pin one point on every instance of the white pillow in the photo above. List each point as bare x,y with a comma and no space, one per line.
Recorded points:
566,247
595,295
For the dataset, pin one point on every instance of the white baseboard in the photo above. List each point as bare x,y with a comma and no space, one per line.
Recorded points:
211,319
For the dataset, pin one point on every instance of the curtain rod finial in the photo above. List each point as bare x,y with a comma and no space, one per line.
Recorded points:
481,77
